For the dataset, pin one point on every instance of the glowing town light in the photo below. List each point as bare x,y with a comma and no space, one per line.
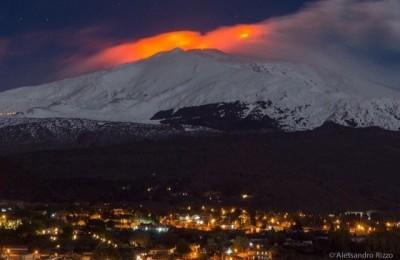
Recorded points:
360,227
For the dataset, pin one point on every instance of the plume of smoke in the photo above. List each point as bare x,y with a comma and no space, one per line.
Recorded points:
346,36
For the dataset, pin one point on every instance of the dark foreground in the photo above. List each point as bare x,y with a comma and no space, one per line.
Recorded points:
330,168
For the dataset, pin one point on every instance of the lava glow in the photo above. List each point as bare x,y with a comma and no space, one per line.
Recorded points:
226,39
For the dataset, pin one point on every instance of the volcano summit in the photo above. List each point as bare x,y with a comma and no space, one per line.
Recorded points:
206,87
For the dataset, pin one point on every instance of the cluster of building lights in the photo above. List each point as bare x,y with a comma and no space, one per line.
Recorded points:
226,219
104,240
9,223
239,219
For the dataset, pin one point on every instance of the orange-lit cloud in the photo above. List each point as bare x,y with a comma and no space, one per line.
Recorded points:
344,36
225,39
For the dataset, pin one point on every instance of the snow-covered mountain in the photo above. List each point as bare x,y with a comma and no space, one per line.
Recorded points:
198,87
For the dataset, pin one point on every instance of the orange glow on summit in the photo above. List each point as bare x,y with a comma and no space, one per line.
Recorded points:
226,39
244,35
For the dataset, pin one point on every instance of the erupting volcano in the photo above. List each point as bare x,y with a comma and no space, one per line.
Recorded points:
193,84
226,39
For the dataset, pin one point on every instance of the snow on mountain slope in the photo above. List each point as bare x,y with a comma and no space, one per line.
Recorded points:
26,131
298,97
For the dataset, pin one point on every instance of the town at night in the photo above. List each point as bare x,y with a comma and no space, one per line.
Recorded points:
188,129
84,231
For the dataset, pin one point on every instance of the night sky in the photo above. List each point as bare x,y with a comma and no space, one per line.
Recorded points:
37,36
47,40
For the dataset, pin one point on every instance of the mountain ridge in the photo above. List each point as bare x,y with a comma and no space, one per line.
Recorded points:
295,96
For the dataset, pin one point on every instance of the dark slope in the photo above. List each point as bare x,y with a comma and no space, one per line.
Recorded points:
221,116
325,169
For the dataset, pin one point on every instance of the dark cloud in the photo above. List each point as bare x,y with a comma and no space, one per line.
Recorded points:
37,57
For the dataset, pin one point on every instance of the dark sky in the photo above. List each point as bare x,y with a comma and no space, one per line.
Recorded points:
37,36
